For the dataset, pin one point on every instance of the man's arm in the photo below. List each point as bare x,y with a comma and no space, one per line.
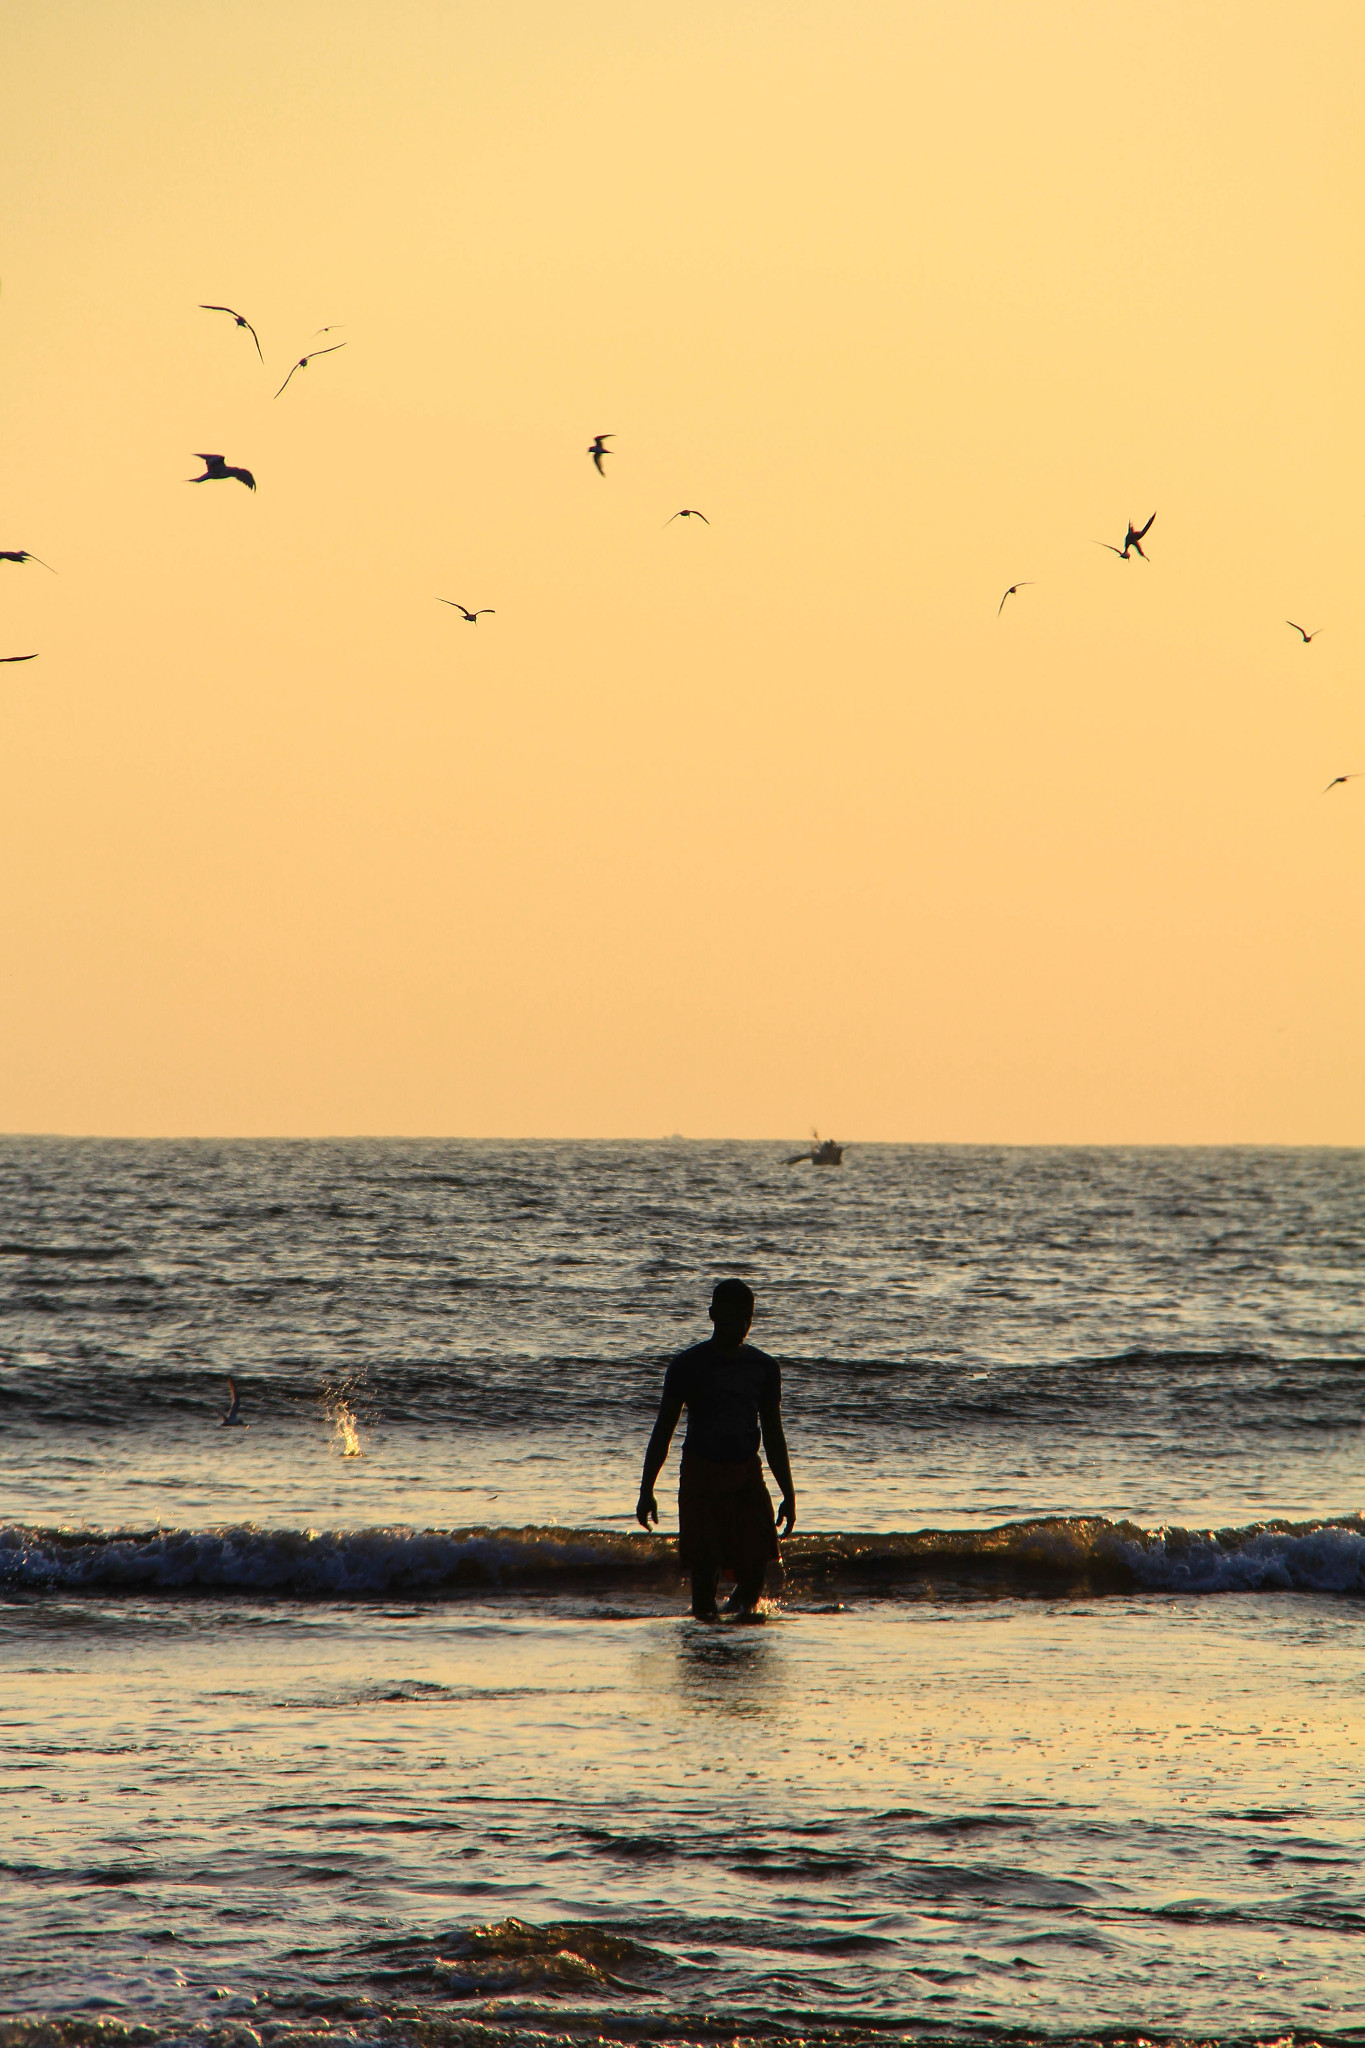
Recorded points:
779,1464
670,1408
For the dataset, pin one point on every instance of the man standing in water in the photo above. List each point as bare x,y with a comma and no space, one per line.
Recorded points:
733,1395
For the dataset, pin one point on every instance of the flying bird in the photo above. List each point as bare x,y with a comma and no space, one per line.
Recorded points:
1343,778
1305,637
598,450
232,1420
215,470
304,361
335,328
18,657
23,555
241,320
1132,539
688,512
1027,584
470,618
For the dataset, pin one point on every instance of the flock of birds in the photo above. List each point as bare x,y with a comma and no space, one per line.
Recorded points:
217,469
1132,545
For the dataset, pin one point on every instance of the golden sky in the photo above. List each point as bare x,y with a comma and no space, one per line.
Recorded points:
729,829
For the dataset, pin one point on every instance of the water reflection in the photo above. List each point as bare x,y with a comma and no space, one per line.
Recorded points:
728,1670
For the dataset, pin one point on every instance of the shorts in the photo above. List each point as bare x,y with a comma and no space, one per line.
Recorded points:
725,1518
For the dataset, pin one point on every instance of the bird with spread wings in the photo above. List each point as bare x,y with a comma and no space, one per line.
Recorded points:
1132,539
241,320
304,361
216,471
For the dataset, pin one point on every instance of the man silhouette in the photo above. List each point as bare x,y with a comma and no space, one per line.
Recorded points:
733,1395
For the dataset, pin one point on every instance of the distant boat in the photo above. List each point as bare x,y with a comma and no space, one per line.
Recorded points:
823,1152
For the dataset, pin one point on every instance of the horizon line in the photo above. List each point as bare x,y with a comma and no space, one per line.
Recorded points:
681,1138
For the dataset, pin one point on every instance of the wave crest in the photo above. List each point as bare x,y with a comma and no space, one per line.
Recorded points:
1062,1554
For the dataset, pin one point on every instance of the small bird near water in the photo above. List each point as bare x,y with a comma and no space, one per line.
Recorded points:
241,320
597,449
1132,539
22,555
216,470
304,361
1307,638
1027,584
688,512
233,1420
470,618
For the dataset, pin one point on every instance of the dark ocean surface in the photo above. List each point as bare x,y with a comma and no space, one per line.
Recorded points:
378,1719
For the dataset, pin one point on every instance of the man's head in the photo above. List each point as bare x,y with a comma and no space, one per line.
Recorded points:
732,1311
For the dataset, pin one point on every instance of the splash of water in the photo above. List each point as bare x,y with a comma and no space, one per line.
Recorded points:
344,1427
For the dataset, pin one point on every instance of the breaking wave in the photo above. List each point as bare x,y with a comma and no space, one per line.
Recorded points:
1059,1555
358,2022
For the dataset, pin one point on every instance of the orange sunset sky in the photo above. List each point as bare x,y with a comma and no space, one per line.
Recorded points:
722,830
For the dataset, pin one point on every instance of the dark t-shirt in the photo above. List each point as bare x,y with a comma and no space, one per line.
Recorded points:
723,1393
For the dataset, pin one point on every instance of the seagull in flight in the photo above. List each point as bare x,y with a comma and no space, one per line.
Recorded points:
233,1420
241,320
304,361
23,555
1027,584
216,470
1305,637
470,618
1343,778
688,512
1132,539
18,657
598,450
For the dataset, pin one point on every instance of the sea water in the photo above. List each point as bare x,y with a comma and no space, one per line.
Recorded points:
378,1719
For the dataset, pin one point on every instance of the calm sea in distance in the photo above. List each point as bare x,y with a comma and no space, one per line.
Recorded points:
378,1720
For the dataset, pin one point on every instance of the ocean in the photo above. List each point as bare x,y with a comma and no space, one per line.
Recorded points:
378,1719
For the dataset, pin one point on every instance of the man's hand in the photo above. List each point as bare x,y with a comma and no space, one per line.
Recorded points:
646,1509
786,1512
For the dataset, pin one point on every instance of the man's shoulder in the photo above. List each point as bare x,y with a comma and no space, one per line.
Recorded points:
768,1370
695,1354
704,1357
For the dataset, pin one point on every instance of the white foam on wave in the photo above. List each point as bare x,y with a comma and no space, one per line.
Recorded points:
1326,1557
